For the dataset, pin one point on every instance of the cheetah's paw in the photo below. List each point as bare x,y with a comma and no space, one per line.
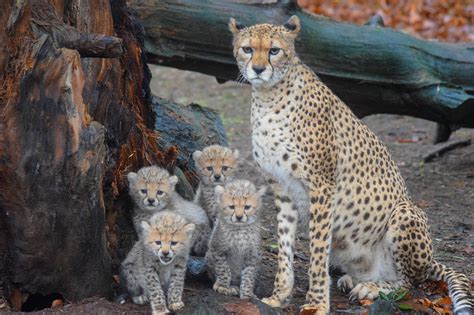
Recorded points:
140,299
345,283
366,290
225,290
176,306
160,312
317,309
273,301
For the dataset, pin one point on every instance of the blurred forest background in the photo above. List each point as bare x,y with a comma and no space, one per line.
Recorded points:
443,20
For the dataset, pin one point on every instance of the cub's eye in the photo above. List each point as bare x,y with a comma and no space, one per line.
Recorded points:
274,51
232,207
143,191
160,192
158,243
174,243
247,49
225,168
247,207
209,168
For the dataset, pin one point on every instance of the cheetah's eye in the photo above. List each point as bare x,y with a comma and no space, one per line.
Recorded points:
209,168
225,168
143,191
160,192
247,207
231,207
274,51
247,49
174,243
158,243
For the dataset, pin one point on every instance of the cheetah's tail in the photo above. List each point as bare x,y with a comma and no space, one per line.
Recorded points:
459,288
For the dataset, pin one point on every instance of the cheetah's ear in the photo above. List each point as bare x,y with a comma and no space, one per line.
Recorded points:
262,191
236,154
145,226
132,177
174,180
293,25
189,228
197,156
234,26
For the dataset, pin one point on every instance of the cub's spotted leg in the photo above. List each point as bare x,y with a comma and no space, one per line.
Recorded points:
320,238
287,221
217,262
247,282
155,293
175,290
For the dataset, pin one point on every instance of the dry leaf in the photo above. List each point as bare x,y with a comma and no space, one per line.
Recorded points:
58,303
242,307
309,311
366,302
15,299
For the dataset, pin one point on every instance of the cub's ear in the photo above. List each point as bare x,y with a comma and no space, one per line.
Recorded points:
132,177
234,26
236,154
189,228
293,25
145,226
197,156
218,191
262,191
174,180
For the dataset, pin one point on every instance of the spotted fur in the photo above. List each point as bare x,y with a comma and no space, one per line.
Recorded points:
323,161
216,166
153,272
153,190
234,246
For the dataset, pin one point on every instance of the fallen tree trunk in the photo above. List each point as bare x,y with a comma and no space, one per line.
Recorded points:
373,69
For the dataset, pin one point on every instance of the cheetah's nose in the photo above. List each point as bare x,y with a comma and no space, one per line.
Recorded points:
217,177
258,70
239,217
151,200
165,254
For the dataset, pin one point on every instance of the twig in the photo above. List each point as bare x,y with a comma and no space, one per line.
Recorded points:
445,147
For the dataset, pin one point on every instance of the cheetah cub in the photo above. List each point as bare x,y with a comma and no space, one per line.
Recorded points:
216,166
234,247
153,190
154,269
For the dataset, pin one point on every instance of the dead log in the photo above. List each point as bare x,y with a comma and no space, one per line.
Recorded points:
373,69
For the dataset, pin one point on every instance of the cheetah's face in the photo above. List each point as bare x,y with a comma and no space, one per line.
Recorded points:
166,243
264,52
216,164
151,193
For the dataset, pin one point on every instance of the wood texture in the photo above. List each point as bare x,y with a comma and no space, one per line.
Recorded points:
372,68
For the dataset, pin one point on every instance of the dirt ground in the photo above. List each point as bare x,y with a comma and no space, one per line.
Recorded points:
443,187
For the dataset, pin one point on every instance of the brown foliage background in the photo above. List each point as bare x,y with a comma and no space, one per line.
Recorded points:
444,20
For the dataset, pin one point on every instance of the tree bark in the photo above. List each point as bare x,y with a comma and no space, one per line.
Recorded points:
373,69
71,127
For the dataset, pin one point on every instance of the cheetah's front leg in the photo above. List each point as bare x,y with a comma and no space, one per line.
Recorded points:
287,221
155,292
217,262
175,290
320,238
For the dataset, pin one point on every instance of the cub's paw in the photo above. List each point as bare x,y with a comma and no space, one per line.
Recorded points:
365,290
176,306
317,309
247,295
345,283
273,301
225,290
140,299
160,312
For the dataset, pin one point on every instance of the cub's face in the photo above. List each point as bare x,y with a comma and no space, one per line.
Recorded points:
216,164
167,242
238,207
151,191
264,52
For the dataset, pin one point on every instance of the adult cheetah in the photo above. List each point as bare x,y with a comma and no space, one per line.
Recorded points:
320,159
